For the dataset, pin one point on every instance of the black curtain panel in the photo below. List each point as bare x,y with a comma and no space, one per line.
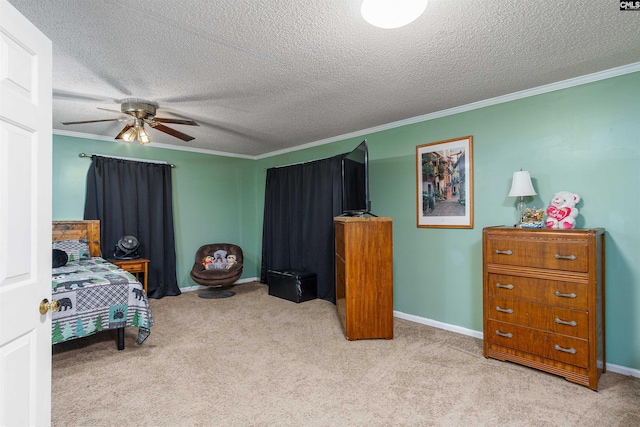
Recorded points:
300,204
135,198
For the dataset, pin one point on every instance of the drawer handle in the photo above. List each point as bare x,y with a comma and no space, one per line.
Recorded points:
560,294
502,334
566,350
508,252
564,322
504,310
569,257
500,285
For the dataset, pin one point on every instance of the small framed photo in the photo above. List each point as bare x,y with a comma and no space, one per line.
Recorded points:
444,174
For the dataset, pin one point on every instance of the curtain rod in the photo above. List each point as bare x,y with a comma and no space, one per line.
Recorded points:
128,158
302,163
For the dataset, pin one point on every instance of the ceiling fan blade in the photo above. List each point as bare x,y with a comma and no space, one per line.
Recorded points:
112,111
63,94
91,121
126,128
175,121
172,132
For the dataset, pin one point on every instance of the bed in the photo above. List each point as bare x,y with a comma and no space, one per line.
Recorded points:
93,294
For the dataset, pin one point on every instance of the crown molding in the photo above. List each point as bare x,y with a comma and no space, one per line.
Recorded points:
552,87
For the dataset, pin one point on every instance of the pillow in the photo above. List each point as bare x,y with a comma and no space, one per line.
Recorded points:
75,249
59,258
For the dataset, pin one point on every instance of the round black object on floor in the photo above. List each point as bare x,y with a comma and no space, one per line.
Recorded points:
216,293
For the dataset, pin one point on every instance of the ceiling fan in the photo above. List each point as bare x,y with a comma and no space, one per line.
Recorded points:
141,112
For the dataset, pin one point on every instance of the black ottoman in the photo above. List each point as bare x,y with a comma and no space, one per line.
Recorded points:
293,285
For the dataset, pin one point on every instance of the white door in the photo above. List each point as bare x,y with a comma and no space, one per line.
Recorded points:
25,221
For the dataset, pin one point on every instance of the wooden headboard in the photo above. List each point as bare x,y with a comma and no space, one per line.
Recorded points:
78,230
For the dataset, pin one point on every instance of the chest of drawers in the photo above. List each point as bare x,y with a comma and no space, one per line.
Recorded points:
544,300
364,276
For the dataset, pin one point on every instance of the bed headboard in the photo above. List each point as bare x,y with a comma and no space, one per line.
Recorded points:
78,230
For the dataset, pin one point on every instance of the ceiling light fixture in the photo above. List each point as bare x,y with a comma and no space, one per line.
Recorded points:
130,134
137,132
392,13
143,135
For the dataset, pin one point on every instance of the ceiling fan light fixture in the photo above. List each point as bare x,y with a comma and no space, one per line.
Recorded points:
143,135
137,133
130,134
142,112
392,13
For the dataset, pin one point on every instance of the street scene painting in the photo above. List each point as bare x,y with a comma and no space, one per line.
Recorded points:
444,171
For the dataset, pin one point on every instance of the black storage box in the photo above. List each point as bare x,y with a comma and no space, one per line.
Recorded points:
292,285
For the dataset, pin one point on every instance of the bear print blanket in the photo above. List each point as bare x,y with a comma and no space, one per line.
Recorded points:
95,295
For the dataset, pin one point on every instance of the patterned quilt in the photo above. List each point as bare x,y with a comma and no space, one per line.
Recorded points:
95,295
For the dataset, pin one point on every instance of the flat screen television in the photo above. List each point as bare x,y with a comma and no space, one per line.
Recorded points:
355,182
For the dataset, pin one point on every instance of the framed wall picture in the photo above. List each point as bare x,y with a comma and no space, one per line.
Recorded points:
444,175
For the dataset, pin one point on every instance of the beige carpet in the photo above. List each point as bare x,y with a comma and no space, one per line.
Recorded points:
257,360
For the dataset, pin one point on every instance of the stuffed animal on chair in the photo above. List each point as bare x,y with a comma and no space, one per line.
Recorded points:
562,211
207,262
231,260
220,259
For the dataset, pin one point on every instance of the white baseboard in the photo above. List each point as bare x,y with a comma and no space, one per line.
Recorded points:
198,287
623,370
192,288
439,325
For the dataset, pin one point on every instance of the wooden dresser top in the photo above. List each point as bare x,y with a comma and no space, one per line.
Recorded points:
361,219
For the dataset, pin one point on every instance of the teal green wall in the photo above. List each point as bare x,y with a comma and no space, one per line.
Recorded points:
584,139
214,198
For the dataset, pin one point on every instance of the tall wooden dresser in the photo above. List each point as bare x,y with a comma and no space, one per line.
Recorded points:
364,276
544,300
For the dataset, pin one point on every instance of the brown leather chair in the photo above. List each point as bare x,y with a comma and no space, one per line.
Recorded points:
220,279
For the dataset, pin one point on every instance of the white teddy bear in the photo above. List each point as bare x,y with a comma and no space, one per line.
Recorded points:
562,211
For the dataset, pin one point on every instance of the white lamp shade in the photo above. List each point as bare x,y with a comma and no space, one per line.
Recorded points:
392,13
521,185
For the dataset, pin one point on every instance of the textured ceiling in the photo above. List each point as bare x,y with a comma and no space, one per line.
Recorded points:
263,76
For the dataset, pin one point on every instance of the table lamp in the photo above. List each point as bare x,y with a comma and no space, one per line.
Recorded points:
520,187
